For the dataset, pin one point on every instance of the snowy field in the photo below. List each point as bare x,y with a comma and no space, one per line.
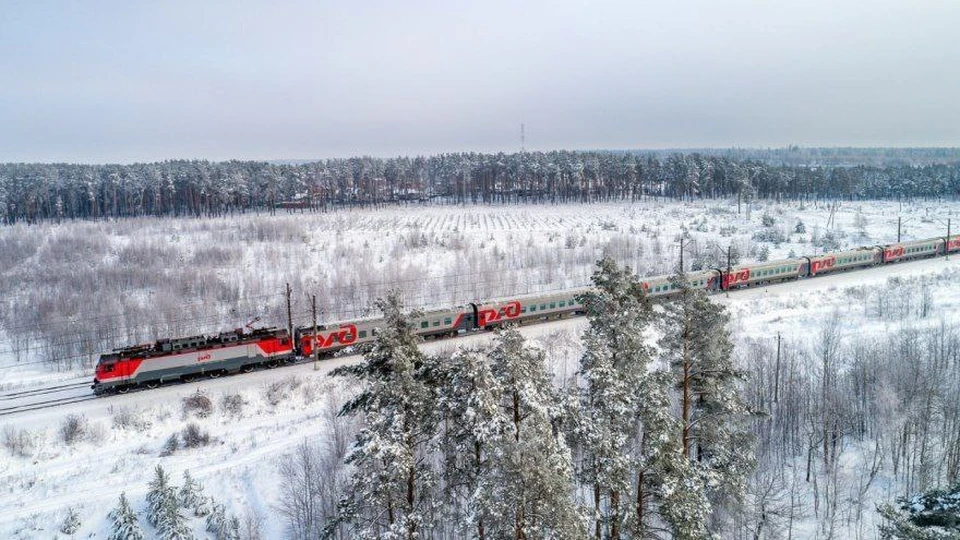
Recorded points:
70,291
438,255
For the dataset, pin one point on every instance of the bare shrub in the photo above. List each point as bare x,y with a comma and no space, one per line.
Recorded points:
19,442
96,433
126,418
73,429
252,525
278,391
232,404
171,446
198,404
311,391
194,437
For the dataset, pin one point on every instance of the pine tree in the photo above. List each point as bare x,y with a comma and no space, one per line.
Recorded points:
613,367
469,397
934,515
217,523
163,509
160,491
233,532
390,488
526,491
125,525
71,523
190,494
712,437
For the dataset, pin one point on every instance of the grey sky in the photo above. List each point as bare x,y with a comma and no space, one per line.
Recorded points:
123,81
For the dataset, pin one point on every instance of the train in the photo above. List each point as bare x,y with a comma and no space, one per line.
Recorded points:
242,350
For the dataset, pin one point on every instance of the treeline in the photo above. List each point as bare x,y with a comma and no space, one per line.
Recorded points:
32,192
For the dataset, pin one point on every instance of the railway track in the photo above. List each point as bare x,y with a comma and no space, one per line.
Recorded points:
21,394
22,401
44,397
46,404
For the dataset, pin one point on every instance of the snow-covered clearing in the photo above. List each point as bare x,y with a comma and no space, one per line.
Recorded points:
69,291
278,409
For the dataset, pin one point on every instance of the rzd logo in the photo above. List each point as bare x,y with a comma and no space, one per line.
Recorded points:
734,278
953,244
510,310
346,335
822,264
893,253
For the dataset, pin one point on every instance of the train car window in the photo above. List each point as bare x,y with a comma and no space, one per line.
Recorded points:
553,305
436,323
543,307
523,309
448,320
363,334
533,308
424,324
563,303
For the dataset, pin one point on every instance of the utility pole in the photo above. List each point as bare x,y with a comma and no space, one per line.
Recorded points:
776,374
681,253
946,247
316,350
898,230
289,314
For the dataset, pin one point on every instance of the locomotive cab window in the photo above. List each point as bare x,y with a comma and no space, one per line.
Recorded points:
108,368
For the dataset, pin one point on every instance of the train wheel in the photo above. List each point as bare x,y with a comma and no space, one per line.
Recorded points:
152,384
123,389
246,368
215,374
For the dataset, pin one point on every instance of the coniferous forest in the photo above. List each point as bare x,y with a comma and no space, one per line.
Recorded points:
31,192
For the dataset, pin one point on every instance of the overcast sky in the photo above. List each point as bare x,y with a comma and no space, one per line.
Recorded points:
123,81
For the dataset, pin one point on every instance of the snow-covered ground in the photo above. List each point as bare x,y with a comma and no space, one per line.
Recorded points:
126,435
70,290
